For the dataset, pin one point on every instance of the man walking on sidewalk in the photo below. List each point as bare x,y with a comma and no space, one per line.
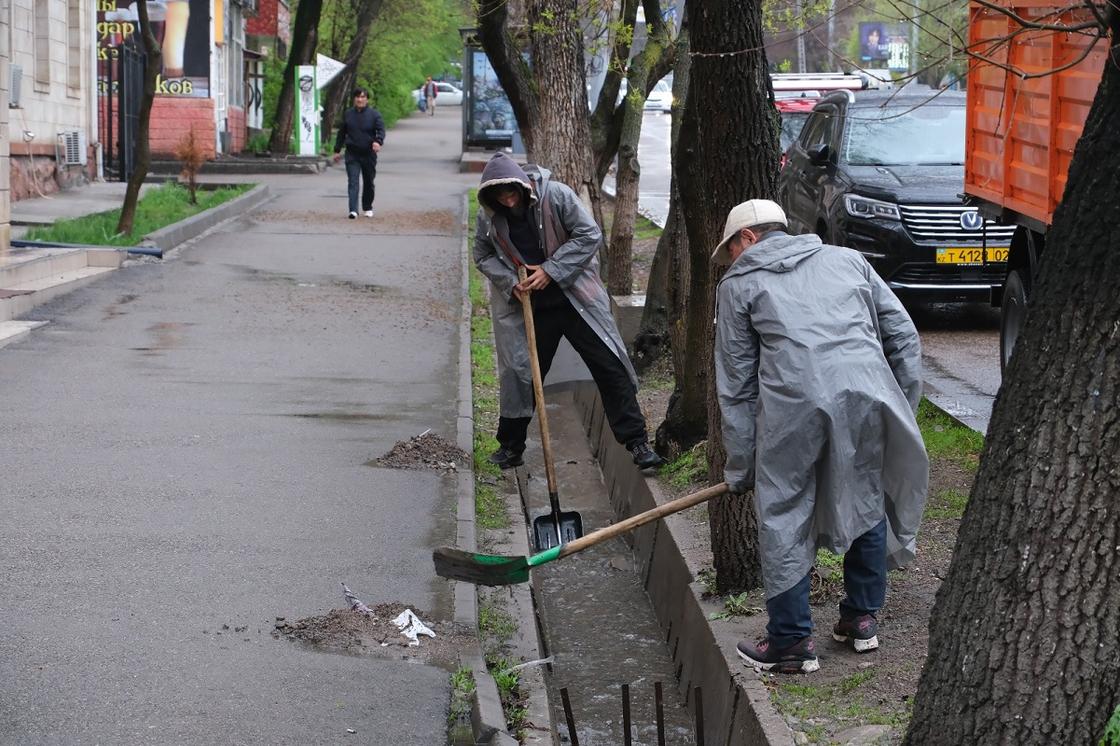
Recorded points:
362,133
431,90
818,374
529,219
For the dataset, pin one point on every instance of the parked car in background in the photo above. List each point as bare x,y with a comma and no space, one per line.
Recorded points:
882,173
660,98
795,95
447,95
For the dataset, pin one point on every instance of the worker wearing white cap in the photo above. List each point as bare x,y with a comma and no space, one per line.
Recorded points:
818,375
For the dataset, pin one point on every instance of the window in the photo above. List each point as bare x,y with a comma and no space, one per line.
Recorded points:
887,136
74,45
819,128
42,44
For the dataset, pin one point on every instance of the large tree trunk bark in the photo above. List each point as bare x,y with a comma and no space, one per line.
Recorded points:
152,65
728,152
338,92
562,135
1025,633
304,38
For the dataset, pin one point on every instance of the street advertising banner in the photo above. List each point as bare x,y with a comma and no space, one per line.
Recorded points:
885,45
490,119
182,29
307,111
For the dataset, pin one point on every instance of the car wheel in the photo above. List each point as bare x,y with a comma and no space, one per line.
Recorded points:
1012,317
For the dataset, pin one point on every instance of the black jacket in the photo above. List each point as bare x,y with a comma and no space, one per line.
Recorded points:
359,130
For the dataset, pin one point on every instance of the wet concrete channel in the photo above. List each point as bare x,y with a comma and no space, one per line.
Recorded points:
594,615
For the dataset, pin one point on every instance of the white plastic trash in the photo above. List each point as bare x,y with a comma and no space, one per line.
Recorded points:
411,627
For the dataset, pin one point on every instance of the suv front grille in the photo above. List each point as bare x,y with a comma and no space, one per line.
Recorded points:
942,224
949,274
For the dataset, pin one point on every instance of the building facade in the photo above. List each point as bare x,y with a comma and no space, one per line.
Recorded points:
201,85
51,119
5,209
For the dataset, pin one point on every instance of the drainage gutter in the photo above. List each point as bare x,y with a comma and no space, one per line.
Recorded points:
737,707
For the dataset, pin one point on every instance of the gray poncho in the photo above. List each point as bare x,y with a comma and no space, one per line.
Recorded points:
818,372
571,242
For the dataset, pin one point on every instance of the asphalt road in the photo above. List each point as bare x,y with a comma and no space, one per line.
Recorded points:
184,452
960,342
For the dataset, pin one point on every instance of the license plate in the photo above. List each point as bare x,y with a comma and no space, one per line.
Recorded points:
971,256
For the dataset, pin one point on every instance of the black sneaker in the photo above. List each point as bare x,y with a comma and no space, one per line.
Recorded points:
800,657
861,633
506,458
644,456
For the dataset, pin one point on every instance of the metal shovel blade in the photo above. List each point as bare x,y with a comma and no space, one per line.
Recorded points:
553,529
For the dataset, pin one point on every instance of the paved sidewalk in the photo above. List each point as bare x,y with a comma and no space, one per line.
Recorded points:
186,458
98,196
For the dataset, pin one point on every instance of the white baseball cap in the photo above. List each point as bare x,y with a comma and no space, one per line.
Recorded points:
747,215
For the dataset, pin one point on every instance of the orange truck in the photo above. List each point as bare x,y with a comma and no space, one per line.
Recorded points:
1021,132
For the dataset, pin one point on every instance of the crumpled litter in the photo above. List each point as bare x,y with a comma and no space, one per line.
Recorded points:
411,627
355,603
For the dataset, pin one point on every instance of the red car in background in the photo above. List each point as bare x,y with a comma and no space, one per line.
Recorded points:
796,94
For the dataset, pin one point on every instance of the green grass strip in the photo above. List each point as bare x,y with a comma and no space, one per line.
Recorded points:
946,438
490,511
159,208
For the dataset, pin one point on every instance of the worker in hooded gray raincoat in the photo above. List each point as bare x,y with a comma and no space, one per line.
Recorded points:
818,373
528,219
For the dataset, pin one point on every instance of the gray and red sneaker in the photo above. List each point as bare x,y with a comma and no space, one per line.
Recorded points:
861,633
800,657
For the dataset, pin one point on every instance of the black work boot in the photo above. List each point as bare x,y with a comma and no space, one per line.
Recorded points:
506,458
644,456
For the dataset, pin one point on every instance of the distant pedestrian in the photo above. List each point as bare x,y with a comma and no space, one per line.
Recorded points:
818,376
528,219
431,90
362,133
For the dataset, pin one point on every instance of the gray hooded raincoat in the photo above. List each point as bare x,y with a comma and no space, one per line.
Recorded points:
818,373
572,241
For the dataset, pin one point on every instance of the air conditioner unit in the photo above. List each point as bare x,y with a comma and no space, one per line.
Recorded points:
74,150
15,83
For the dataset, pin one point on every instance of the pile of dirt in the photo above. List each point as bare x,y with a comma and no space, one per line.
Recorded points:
424,451
354,633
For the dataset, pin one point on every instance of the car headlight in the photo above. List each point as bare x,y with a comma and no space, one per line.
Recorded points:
863,207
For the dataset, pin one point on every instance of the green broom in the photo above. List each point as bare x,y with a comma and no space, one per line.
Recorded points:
498,569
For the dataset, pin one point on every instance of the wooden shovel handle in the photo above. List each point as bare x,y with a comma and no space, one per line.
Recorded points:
538,386
631,523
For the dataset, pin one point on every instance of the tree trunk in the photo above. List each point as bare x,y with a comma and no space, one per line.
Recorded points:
338,92
728,153
153,63
620,253
513,72
304,38
562,136
1025,632
668,275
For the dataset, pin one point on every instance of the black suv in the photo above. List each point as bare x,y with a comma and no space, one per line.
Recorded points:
882,172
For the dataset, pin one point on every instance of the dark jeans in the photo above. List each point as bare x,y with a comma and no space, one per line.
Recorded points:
366,165
865,583
620,399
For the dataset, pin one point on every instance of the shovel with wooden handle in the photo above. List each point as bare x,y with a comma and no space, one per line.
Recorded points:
558,527
498,569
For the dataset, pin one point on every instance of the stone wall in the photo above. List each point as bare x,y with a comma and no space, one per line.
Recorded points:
172,118
235,119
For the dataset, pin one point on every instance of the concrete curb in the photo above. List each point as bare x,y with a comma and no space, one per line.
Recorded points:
737,707
167,238
488,721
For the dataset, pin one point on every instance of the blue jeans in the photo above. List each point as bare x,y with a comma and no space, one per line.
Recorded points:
366,167
865,586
